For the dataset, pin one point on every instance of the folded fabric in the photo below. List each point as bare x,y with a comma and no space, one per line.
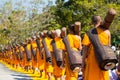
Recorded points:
113,75
80,76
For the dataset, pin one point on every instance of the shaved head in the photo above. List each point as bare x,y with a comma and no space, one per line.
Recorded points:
96,19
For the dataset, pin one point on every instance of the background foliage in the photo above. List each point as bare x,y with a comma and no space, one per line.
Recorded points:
18,24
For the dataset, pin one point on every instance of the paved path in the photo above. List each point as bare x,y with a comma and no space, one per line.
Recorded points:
6,74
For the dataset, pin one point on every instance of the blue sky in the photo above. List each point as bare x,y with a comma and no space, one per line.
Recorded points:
25,3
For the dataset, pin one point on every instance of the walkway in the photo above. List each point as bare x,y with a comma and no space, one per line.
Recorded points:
6,74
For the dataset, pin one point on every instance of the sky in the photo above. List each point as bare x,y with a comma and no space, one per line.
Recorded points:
26,3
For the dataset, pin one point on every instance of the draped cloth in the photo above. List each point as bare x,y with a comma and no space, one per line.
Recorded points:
92,70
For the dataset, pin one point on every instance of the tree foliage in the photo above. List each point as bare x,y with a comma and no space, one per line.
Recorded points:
79,10
24,21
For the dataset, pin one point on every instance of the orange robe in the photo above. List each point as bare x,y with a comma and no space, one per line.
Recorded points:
24,58
34,62
41,62
12,54
74,44
22,61
28,63
10,57
17,57
92,70
58,72
14,58
48,67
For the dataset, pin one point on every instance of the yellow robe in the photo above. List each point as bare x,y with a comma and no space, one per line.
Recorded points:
48,67
17,58
24,58
11,57
74,44
28,63
58,72
15,61
41,62
34,62
92,71
22,61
